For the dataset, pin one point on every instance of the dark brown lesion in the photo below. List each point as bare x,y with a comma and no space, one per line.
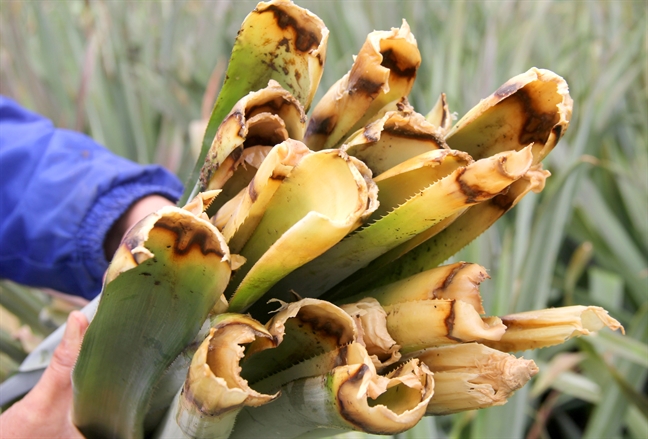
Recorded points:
305,39
513,323
414,134
321,57
506,90
236,154
537,129
366,87
504,201
278,176
368,134
324,325
211,164
449,279
444,111
341,358
321,126
404,106
189,397
270,62
344,411
253,194
473,194
396,66
538,125
191,400
285,43
449,323
206,172
189,235
359,375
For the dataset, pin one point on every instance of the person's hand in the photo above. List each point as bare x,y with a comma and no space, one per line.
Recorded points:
45,412
136,212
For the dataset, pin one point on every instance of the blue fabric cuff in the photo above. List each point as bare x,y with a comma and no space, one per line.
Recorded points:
108,208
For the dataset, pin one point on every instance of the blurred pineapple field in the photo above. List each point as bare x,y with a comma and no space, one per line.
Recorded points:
141,77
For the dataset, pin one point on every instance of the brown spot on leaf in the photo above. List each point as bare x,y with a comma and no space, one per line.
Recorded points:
188,237
252,192
503,201
188,395
444,117
414,134
369,135
320,59
538,125
324,326
322,126
240,118
537,129
360,374
344,411
403,105
506,90
366,87
277,176
448,280
391,61
206,172
342,358
449,323
285,43
271,65
472,194
305,39
236,154
511,323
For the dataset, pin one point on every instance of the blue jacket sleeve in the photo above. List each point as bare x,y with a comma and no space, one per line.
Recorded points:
60,192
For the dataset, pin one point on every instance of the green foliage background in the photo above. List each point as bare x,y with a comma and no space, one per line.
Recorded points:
134,76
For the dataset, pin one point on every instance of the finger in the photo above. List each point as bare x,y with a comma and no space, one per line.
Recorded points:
57,375
45,411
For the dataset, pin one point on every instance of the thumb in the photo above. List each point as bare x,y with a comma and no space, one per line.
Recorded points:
56,377
45,411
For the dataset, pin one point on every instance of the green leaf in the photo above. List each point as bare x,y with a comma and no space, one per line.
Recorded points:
292,53
607,417
606,288
165,278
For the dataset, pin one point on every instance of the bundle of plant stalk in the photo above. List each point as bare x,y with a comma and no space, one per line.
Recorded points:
299,293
